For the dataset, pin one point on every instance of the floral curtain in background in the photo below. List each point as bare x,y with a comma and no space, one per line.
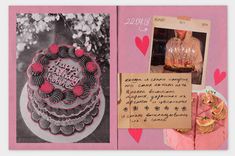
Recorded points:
88,31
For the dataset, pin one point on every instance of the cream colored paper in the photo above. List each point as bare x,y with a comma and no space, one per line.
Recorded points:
154,100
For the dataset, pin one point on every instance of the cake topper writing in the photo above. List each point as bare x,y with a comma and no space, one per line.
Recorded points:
64,74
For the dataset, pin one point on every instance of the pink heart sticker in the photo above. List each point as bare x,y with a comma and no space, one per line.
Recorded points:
135,133
142,44
219,76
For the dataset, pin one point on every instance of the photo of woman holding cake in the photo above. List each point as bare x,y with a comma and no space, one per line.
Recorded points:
179,51
183,52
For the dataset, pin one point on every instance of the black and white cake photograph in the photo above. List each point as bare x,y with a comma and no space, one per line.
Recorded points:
63,77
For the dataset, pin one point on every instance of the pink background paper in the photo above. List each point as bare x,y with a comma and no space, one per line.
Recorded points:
13,10
130,60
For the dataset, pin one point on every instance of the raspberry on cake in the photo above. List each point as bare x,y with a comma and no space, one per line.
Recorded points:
53,49
79,52
91,66
37,68
78,90
63,89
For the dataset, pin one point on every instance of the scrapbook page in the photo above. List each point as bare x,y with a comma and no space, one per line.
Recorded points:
118,77
63,60
173,41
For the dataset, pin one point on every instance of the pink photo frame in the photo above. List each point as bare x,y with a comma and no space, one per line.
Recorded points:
13,10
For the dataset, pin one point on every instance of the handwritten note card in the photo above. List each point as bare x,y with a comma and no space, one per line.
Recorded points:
154,100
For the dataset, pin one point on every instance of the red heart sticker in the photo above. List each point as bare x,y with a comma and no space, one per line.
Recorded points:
135,133
219,76
142,44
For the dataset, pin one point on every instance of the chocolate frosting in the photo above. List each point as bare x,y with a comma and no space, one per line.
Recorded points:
37,80
56,96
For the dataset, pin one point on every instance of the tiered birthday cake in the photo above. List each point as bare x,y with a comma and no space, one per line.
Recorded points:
63,89
209,125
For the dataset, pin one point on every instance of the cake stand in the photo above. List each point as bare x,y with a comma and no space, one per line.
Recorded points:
46,135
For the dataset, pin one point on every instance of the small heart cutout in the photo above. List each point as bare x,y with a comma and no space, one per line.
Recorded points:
135,133
219,76
142,44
